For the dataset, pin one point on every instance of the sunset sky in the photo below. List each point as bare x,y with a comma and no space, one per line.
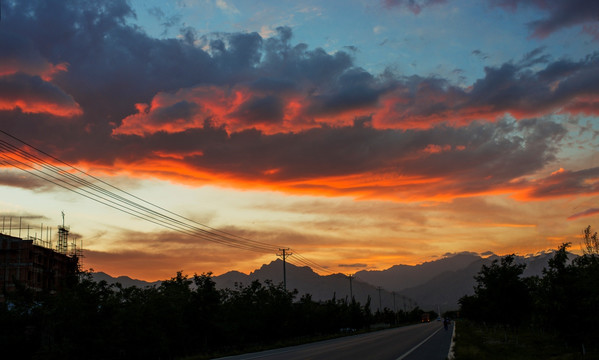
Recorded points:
359,134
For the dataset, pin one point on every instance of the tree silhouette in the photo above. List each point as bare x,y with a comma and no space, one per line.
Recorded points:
563,301
568,297
501,296
591,241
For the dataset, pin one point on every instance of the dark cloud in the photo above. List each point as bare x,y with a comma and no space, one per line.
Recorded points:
31,94
25,219
521,89
493,156
534,57
567,183
21,179
266,109
236,54
587,212
479,158
112,65
415,6
533,86
354,89
312,68
269,111
181,110
274,86
480,54
560,14
357,265
20,55
451,254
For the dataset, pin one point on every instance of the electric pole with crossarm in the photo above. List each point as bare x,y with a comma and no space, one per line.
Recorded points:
284,255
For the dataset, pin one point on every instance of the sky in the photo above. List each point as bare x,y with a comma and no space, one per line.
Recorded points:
357,134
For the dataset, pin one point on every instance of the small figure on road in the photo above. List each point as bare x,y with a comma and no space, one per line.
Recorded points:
445,323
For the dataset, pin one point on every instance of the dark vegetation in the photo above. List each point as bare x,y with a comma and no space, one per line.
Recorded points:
551,316
181,317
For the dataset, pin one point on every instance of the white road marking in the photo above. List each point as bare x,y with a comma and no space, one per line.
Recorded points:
417,346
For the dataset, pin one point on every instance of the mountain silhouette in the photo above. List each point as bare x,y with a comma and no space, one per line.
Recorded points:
126,281
321,288
432,285
399,277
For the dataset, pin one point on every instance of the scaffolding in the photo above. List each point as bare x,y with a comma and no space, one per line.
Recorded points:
33,261
63,246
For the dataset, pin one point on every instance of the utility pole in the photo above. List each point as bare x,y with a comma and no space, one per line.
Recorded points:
284,255
380,303
351,292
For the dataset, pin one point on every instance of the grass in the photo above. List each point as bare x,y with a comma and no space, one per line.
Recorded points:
476,341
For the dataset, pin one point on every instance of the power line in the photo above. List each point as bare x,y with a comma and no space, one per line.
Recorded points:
126,209
306,262
27,162
134,213
132,195
128,203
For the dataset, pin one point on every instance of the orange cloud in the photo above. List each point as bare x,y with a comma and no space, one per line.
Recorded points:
440,163
35,94
365,186
562,183
26,83
36,106
587,212
237,109
172,113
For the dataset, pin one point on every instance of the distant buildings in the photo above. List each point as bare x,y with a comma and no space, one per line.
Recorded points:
33,264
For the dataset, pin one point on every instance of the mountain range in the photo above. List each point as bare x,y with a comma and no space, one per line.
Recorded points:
434,285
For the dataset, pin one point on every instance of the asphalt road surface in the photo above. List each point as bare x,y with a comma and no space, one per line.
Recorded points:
415,342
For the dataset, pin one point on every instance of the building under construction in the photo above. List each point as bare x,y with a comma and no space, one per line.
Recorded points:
34,263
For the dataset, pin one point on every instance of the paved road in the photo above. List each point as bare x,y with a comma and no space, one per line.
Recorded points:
422,341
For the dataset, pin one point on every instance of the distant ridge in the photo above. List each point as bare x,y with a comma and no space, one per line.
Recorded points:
321,288
445,289
399,277
126,281
432,285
